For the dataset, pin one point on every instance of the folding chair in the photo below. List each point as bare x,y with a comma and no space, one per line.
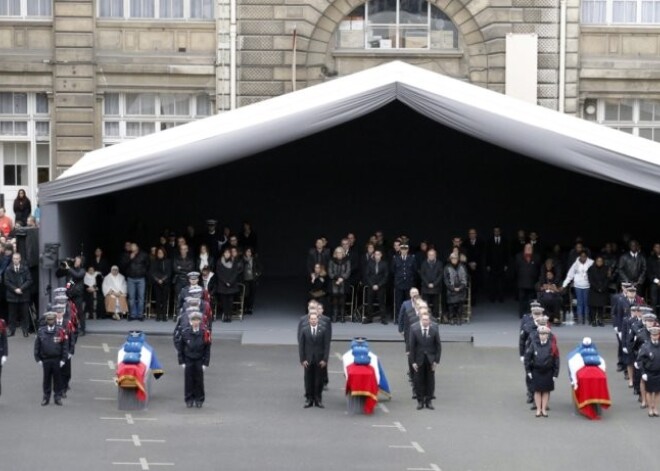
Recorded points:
239,302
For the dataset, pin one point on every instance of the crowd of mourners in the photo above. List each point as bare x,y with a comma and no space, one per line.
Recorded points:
578,281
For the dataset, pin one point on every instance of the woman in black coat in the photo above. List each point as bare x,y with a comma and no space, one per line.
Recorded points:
599,296
227,271
542,367
22,208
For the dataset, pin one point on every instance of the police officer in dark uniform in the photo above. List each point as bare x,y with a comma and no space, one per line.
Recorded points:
527,324
194,352
648,361
404,270
51,352
64,322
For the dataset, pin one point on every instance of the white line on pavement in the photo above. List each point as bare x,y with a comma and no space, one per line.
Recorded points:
417,447
102,380
383,407
105,347
143,463
128,418
105,398
135,439
413,445
433,467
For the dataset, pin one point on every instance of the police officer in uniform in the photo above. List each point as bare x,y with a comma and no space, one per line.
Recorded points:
51,352
649,363
64,322
194,352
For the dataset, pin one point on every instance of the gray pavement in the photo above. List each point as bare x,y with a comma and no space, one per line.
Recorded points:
253,417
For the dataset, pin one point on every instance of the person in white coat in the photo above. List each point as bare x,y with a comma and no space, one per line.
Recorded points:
577,274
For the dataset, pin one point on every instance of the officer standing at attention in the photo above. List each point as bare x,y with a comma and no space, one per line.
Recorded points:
194,352
51,352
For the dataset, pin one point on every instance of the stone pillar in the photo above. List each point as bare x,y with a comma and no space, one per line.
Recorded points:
74,82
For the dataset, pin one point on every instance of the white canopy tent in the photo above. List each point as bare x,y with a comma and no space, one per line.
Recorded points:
554,138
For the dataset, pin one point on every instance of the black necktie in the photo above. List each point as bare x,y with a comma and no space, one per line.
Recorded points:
426,334
313,331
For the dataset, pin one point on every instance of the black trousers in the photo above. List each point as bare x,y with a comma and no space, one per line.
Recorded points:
18,312
159,293
496,282
400,295
65,372
455,311
313,381
227,304
655,292
433,300
525,296
379,295
250,291
52,378
194,381
425,381
338,306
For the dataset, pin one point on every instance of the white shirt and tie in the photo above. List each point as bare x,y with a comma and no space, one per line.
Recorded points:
314,331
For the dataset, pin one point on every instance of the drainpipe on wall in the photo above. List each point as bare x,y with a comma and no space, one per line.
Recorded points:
232,54
562,54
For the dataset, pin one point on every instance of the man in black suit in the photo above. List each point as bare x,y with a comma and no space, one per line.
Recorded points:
632,267
425,348
474,251
431,272
318,254
376,286
17,282
313,349
527,268
497,264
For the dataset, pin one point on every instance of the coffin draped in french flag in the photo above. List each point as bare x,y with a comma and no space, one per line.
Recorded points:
365,375
587,373
135,361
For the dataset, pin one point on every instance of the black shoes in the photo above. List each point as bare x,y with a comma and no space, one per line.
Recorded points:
189,404
198,405
319,404
420,405
308,404
25,333
383,321
429,405
45,402
58,401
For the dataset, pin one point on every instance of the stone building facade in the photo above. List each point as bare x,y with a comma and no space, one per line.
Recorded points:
76,75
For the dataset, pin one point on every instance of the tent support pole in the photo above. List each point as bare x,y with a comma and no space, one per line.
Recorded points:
562,55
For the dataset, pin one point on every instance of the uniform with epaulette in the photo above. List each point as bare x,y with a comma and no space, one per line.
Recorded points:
51,352
63,321
648,361
527,324
194,354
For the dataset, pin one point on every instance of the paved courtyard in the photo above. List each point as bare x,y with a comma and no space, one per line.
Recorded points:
253,417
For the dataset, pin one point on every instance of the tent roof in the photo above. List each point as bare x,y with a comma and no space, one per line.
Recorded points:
546,135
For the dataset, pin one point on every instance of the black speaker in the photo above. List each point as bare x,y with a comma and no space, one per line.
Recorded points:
51,256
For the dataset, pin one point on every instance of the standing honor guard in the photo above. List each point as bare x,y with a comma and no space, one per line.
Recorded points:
64,322
194,352
313,350
425,348
51,352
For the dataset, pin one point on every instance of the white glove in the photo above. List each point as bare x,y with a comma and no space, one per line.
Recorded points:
554,378
529,375
40,363
616,329
636,365
575,386
70,356
62,364
624,350
645,377
3,360
522,359
203,367
618,334
183,365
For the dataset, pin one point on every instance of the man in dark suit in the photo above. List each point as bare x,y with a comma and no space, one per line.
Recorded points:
17,285
527,269
430,272
318,254
313,349
375,286
632,267
474,251
425,349
497,264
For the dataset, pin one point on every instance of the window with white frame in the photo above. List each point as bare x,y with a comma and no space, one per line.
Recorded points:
24,138
633,116
397,24
156,9
26,8
130,115
620,12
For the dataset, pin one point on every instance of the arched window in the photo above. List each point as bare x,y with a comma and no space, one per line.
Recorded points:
397,24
